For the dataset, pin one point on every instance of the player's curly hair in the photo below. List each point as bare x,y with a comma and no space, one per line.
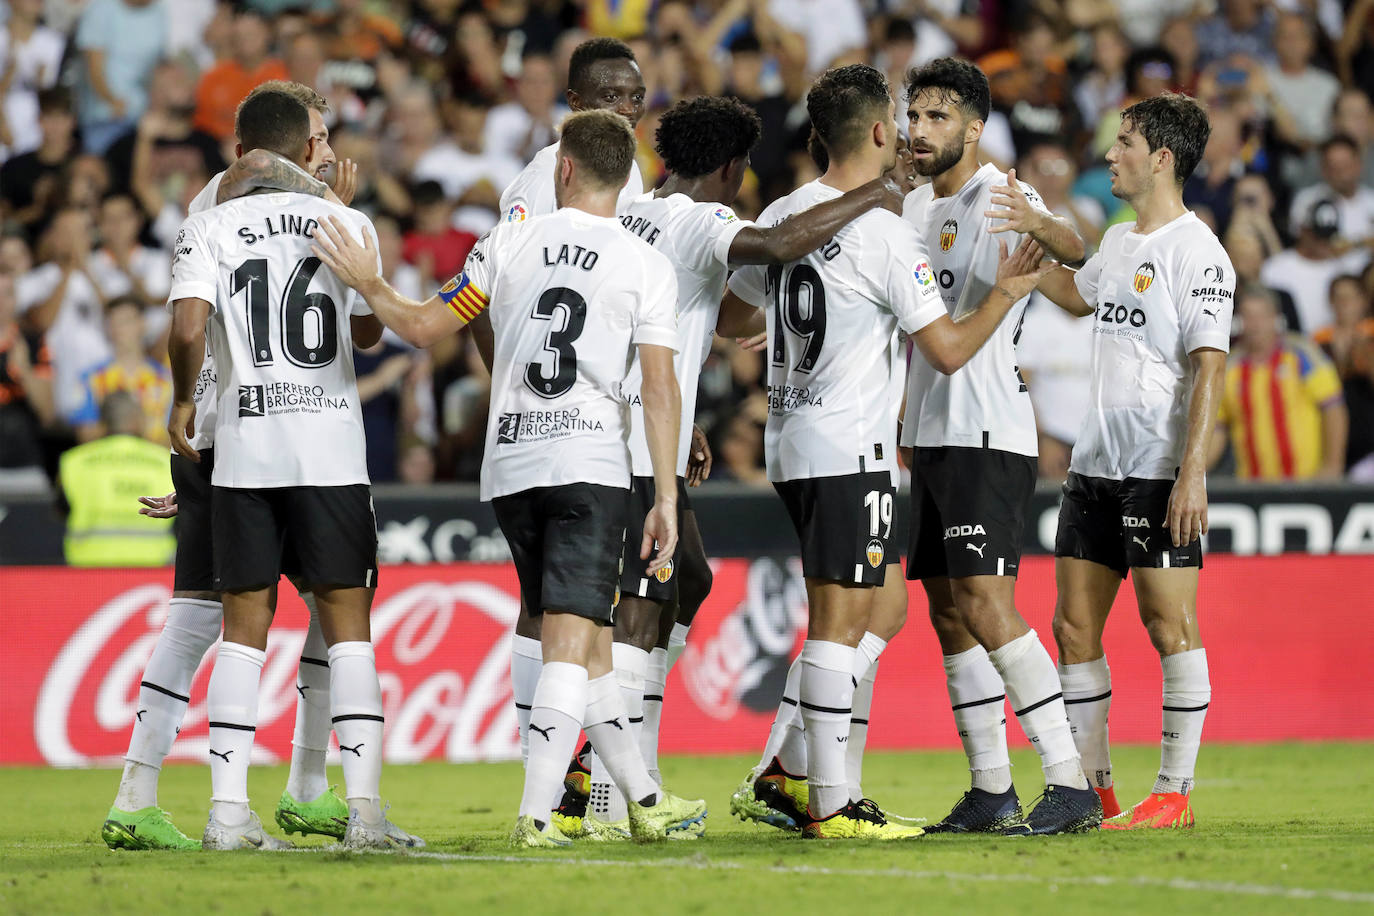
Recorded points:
698,136
1173,120
591,52
961,82
844,102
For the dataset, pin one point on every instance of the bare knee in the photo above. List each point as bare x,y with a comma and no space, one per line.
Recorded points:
636,622
1170,636
1078,639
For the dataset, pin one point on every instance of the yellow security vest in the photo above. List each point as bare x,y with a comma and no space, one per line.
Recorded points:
102,481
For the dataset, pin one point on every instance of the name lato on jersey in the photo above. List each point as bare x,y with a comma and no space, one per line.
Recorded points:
571,256
279,224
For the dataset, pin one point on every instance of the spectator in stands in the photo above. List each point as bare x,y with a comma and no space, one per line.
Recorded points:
831,32
1282,406
747,79
379,190
176,149
1030,85
130,370
1353,324
1359,399
1050,169
380,371
358,34
224,85
1350,116
1213,182
471,176
1240,27
120,42
738,451
1306,270
1341,171
528,122
434,246
1149,71
1100,90
26,404
30,187
1306,93
30,57
1055,359
104,527
1355,50
122,266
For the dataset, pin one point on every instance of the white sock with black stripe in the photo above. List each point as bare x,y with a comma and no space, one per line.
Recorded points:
827,695
1187,694
631,664
605,724
526,666
1038,701
655,676
865,673
559,702
232,705
782,721
978,700
1088,699
307,780
355,698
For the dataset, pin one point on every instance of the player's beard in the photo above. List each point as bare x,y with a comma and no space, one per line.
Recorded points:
942,160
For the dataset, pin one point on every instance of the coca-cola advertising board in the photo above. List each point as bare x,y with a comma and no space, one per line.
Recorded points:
1289,639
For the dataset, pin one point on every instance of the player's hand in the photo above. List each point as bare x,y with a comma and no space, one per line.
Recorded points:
698,458
159,506
181,427
903,176
1015,210
756,344
353,263
345,184
660,526
1019,272
1187,518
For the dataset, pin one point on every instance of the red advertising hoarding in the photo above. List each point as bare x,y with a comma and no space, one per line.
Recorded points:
1289,639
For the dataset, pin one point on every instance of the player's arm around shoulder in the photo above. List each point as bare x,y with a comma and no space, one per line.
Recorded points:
804,232
192,296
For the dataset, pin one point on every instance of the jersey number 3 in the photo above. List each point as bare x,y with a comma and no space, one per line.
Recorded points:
309,321
553,375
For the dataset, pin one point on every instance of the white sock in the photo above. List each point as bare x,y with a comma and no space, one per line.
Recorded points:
1187,693
631,665
192,627
355,698
605,723
655,675
1087,699
827,694
558,704
782,721
307,780
978,699
1038,700
865,672
677,642
232,704
526,664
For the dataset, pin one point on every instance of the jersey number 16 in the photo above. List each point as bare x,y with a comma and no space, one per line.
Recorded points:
309,321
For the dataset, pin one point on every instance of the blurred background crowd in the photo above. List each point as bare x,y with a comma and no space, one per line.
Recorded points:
115,113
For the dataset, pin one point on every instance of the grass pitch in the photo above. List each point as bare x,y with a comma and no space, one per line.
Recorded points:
1281,828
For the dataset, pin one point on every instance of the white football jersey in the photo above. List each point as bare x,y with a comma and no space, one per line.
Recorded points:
570,295
834,382
206,394
1158,297
696,238
531,193
985,403
288,399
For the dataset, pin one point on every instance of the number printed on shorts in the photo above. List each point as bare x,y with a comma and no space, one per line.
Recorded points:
556,371
879,506
799,310
309,321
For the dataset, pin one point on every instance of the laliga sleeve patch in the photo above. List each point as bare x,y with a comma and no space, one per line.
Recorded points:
517,213
923,274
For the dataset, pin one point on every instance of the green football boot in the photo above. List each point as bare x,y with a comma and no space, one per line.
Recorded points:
326,815
146,828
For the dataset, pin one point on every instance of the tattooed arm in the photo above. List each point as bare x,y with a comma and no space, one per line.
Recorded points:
261,169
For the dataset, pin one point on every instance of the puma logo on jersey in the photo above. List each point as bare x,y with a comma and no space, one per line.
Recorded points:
1210,314
964,531
978,550
1144,545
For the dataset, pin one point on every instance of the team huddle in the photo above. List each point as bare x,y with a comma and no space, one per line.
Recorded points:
889,322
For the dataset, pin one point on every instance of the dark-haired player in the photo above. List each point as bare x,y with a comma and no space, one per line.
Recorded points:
1160,292
705,144
834,392
974,467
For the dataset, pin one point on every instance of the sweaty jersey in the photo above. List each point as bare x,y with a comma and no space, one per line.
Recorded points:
531,193
205,394
570,296
985,403
1157,298
696,238
288,399
834,382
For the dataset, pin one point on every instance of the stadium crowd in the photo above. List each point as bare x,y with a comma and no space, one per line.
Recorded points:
116,112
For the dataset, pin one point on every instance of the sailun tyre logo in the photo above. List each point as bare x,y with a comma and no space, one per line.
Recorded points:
1144,276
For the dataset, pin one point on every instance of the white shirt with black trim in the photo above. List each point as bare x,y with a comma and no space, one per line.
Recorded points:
1158,297
834,359
985,403
531,193
571,295
288,411
696,238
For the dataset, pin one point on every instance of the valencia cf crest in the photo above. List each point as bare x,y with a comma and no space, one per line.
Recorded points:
875,553
666,573
948,233
1144,276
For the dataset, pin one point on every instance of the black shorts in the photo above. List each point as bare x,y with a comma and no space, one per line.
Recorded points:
195,564
634,579
1120,524
566,543
331,532
845,525
968,512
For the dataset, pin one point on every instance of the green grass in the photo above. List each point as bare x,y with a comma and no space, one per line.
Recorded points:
1281,828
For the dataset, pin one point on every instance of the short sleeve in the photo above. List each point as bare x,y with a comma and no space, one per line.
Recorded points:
93,31
89,411
656,318
1319,377
193,265
908,279
469,293
1088,276
718,226
1204,301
